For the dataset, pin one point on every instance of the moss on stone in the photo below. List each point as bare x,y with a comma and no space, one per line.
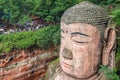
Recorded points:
52,68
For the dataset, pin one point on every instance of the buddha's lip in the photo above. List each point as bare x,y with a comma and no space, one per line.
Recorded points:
66,64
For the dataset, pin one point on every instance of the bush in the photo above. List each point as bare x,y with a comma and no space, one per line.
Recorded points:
42,38
118,52
56,37
8,46
1,47
116,16
109,73
1,37
24,43
20,11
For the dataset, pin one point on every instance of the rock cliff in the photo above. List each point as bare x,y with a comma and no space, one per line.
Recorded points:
30,64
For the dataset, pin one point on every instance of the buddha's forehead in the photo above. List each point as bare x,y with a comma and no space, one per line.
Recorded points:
80,27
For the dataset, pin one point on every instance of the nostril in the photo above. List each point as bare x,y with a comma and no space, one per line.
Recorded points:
67,54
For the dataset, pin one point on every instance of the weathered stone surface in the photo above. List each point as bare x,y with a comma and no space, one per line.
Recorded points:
26,64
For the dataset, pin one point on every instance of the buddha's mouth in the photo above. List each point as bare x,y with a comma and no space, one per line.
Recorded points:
66,64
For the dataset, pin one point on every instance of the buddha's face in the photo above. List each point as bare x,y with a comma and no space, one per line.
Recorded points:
80,51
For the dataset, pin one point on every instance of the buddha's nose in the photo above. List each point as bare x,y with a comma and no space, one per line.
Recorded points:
67,54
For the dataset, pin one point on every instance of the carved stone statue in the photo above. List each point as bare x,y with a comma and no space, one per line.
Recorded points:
86,43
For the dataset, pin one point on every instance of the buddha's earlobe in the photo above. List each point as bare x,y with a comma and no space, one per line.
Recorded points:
108,56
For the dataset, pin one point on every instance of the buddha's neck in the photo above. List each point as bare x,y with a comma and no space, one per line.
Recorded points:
64,76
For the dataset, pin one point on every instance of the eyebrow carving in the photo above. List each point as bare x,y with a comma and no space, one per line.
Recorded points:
62,30
75,33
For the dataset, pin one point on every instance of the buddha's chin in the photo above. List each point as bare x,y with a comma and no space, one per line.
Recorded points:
74,73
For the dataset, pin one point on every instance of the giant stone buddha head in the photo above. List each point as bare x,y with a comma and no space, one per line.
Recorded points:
86,40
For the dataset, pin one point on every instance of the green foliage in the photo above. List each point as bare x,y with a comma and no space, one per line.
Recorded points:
109,73
8,46
103,2
55,61
43,42
10,9
1,37
96,1
116,16
46,36
23,19
111,1
50,10
24,43
1,47
56,37
21,10
118,50
42,38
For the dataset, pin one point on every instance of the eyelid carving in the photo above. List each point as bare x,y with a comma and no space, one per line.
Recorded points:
80,42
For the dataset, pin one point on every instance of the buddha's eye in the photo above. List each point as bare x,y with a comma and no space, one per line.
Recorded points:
80,38
79,42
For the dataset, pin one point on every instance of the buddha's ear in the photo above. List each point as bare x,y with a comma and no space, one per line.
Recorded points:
109,47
